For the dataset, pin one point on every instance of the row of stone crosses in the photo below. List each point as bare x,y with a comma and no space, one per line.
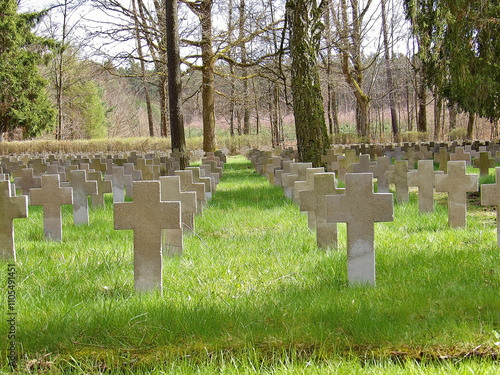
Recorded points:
315,190
165,199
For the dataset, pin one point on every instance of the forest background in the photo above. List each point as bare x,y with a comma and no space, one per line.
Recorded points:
382,69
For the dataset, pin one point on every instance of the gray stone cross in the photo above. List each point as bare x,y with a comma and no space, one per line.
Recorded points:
379,172
484,163
360,208
103,187
51,196
171,192
147,215
119,180
457,184
490,196
27,181
82,189
11,207
399,176
424,179
315,201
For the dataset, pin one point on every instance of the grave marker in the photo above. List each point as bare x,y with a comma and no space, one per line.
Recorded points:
119,180
103,187
490,196
399,176
27,181
457,184
379,172
147,216
82,188
11,207
171,192
315,201
484,163
424,179
360,208
51,196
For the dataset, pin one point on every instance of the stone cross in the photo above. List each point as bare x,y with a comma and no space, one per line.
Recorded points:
278,173
490,196
484,163
360,208
348,161
364,164
51,196
11,207
119,180
411,157
199,178
399,176
103,187
424,179
297,173
97,165
308,184
442,158
171,192
147,216
206,172
82,188
331,160
187,184
315,201
129,169
27,181
457,184
39,166
379,172
460,154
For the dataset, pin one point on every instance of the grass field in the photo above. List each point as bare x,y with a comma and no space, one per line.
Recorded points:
252,293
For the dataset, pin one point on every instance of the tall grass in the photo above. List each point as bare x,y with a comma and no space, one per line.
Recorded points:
252,293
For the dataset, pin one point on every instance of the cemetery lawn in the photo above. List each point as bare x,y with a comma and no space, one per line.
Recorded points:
252,293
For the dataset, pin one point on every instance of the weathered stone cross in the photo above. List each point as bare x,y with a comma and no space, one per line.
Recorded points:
82,188
490,196
457,184
424,179
147,216
315,201
119,180
51,196
171,192
484,163
360,208
11,207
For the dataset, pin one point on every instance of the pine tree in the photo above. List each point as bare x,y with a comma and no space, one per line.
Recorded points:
24,102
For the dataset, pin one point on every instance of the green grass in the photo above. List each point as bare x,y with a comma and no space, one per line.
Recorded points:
252,293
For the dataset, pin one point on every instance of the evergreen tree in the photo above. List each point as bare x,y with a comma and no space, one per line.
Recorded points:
463,60
24,102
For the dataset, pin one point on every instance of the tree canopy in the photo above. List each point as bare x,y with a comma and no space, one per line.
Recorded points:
464,40
24,102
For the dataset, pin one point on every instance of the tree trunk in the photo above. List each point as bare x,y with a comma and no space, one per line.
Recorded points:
422,105
388,70
470,126
438,105
328,38
243,50
143,71
208,80
174,82
310,127
453,116
232,91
